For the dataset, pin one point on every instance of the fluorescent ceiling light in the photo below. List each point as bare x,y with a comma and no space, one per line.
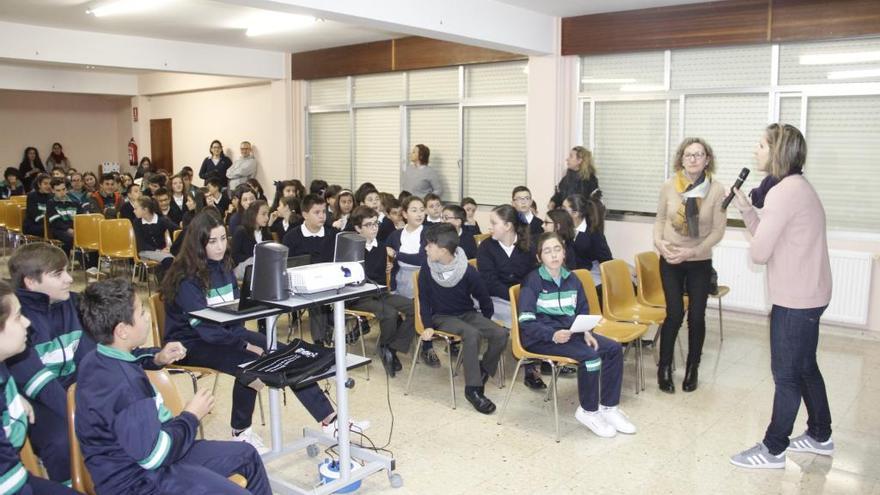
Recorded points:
854,74
840,58
599,80
642,87
121,7
276,23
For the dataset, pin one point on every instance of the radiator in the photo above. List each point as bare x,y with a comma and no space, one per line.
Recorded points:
850,272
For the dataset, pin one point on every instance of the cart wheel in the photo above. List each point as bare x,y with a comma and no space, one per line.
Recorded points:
312,450
396,480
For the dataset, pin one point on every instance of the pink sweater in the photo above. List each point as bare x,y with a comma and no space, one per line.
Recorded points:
789,237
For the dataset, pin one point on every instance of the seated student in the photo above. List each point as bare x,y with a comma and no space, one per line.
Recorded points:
201,275
470,207
371,198
395,335
559,221
257,188
194,205
242,197
285,216
132,195
58,173
393,218
284,189
78,193
154,183
344,206
124,181
130,441
318,186
590,246
251,232
447,287
151,230
521,199
215,197
330,197
13,186
177,205
317,240
163,201
60,211
15,409
544,330
434,209
455,216
107,201
37,201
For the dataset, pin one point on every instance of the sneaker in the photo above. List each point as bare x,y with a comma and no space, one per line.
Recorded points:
595,421
93,271
248,435
616,418
758,457
806,443
356,427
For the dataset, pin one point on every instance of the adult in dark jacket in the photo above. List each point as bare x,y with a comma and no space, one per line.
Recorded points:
580,177
216,165
30,166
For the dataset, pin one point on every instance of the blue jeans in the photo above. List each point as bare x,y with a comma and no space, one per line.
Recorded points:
794,336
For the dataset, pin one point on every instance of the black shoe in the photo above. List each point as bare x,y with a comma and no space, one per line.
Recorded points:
387,360
480,402
664,379
396,364
533,380
564,371
430,358
484,375
690,378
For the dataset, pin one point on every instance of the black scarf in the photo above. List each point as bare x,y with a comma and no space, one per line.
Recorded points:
759,194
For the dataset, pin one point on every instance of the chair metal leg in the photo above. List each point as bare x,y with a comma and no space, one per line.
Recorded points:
451,370
364,353
413,367
260,404
216,381
510,390
501,372
720,320
555,398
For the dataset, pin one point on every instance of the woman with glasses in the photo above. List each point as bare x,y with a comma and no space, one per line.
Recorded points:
690,221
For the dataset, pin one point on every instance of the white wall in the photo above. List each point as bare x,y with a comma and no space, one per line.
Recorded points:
91,128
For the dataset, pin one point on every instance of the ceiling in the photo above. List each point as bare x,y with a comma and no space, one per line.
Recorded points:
569,8
202,21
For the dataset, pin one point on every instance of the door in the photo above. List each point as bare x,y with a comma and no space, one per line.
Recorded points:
160,145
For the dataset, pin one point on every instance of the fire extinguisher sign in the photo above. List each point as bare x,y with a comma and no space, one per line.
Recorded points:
134,114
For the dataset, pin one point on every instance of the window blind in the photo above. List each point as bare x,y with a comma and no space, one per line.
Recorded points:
496,80
433,84
375,88
705,68
328,91
377,148
494,152
330,148
438,129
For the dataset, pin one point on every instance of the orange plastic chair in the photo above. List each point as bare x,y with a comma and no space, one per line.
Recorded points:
478,238
86,234
116,241
522,355
30,461
80,478
19,200
620,299
13,216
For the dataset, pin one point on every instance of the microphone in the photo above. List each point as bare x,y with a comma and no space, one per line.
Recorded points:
736,185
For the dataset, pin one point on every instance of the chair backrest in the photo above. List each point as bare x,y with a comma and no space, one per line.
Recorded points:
161,379
3,203
420,326
19,200
117,238
15,217
79,475
478,238
649,285
87,230
177,232
388,259
586,280
157,311
515,342
29,460
617,289
472,262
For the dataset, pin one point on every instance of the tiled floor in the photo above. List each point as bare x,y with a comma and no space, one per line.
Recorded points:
682,445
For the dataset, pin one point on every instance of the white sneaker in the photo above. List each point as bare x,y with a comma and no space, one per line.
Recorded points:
595,421
93,271
616,418
356,427
253,438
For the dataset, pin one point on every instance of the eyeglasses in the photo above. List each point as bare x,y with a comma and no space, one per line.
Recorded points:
523,199
694,156
447,218
370,225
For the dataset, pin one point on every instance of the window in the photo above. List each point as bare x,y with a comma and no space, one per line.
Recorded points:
439,126
494,152
377,147
330,147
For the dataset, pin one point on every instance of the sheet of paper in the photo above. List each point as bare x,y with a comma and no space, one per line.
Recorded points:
585,323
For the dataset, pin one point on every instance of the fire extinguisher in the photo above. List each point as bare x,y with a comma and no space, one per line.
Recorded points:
132,153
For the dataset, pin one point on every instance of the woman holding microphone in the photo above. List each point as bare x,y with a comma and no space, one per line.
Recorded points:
689,222
788,235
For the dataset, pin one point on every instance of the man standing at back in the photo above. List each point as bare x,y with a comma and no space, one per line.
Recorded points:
244,168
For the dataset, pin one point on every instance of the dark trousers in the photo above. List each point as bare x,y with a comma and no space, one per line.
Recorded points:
65,237
693,278
321,323
39,486
608,358
227,359
794,336
49,439
393,332
472,327
205,468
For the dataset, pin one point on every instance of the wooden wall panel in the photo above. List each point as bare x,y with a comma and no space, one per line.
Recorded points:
352,60
416,52
704,24
803,20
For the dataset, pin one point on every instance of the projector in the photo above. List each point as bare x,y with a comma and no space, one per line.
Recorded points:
319,277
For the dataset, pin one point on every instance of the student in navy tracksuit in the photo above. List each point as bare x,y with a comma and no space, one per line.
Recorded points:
13,186
216,165
15,409
129,439
396,334
456,216
551,298
314,238
37,201
448,284
200,276
60,211
521,199
590,246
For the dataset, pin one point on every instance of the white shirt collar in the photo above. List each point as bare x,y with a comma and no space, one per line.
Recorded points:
307,233
528,216
371,245
258,235
152,221
381,217
583,226
508,249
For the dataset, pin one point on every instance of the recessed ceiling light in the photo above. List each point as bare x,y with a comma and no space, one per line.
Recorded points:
121,7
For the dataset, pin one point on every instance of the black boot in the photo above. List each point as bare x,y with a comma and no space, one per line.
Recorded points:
664,379
690,378
480,402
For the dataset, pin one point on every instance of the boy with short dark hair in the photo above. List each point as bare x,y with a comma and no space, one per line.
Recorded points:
447,287
60,211
395,334
13,185
132,194
521,199
215,196
107,200
37,200
434,209
129,439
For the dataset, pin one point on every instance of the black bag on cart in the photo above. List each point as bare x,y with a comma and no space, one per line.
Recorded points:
290,366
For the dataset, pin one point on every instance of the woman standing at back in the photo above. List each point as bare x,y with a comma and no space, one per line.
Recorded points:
580,177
